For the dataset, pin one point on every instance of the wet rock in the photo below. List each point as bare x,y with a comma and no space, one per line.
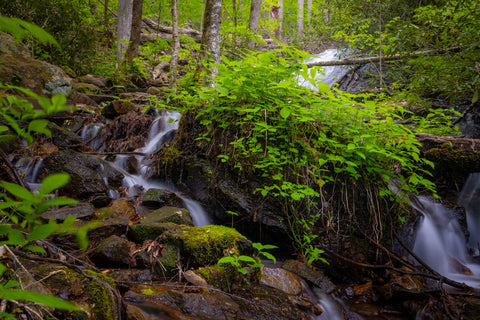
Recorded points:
62,137
281,279
96,80
114,251
202,246
81,210
163,259
19,68
140,232
89,175
156,198
80,98
85,87
100,200
310,274
121,207
99,98
194,278
169,214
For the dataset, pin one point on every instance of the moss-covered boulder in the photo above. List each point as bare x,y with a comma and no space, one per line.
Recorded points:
203,246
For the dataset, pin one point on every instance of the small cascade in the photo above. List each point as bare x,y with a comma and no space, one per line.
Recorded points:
29,167
470,199
90,134
162,127
441,243
331,74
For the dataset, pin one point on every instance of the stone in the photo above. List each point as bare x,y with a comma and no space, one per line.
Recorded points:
114,250
80,210
310,274
194,278
281,279
96,80
89,175
156,198
19,68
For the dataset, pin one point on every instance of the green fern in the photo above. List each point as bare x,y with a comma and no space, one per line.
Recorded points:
22,30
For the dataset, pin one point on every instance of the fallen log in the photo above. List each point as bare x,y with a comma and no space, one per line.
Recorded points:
430,141
365,60
153,26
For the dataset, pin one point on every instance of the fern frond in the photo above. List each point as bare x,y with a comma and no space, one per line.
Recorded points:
22,30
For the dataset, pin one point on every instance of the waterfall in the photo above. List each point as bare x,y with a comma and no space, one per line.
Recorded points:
330,74
162,126
440,241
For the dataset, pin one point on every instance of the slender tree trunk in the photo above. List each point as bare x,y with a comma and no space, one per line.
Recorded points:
309,12
210,44
300,18
124,22
277,13
136,30
254,15
176,46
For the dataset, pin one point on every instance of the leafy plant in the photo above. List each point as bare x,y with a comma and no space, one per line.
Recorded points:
16,111
306,143
24,208
240,262
22,30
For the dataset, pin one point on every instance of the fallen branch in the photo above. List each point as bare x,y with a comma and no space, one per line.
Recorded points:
365,60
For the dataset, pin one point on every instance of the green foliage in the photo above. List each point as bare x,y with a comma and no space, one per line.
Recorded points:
241,262
303,142
17,111
23,30
24,208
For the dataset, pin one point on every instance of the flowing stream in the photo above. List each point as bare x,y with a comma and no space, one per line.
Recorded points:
330,74
164,125
440,241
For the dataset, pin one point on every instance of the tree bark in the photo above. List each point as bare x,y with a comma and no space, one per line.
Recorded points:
210,43
300,18
254,15
277,14
124,22
154,26
136,30
176,46
366,60
309,12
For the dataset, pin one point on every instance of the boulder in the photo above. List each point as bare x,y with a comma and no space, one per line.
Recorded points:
114,250
88,174
156,198
80,210
19,68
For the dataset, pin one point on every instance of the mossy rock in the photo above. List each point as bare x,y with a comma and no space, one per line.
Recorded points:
203,246
92,293
156,198
452,163
223,277
148,231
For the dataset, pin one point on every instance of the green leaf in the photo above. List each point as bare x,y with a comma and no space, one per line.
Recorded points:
269,256
82,234
475,96
47,300
17,190
15,238
246,259
285,112
35,249
227,259
54,202
42,231
53,182
40,126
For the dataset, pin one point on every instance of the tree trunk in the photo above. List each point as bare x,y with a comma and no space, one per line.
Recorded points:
124,22
254,15
277,14
176,46
366,60
210,43
309,12
136,30
300,18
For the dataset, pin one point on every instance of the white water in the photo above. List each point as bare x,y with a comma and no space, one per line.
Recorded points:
470,200
440,241
161,127
331,74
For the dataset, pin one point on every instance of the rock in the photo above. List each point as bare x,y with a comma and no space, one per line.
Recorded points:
121,207
154,91
281,279
81,210
310,274
18,68
88,174
96,80
203,246
148,231
85,87
195,279
118,107
169,214
62,137
156,198
114,251
99,98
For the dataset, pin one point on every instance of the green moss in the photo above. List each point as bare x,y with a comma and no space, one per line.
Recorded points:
141,231
103,300
219,276
206,245
453,164
167,265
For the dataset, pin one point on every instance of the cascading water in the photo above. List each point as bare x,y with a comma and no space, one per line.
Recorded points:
440,241
331,74
162,127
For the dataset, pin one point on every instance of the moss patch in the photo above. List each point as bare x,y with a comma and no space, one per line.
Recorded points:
203,246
